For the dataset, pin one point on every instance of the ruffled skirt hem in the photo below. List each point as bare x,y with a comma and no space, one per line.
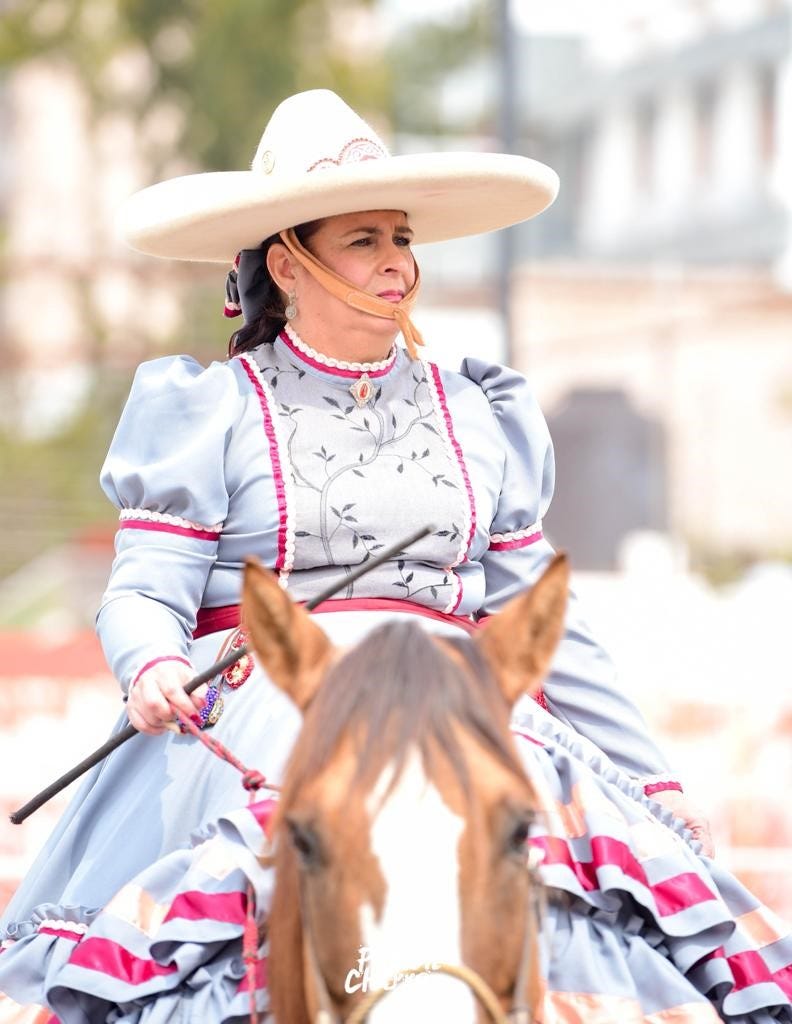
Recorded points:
638,926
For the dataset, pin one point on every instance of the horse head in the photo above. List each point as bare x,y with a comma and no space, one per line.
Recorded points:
400,841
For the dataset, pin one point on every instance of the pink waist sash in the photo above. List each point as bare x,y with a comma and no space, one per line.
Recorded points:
211,620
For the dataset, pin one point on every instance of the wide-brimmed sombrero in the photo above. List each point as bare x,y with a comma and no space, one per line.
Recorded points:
318,158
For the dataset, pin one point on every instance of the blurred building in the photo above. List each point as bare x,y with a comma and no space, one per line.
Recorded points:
654,304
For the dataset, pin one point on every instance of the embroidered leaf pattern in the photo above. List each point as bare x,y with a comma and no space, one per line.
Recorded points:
341,488
405,581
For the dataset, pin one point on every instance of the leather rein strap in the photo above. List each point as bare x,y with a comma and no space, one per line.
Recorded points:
357,299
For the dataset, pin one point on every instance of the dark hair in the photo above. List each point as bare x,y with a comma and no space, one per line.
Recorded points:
269,323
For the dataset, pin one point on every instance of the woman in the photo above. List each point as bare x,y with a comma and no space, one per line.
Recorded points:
316,444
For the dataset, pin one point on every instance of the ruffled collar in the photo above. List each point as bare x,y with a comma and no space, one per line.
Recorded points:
339,368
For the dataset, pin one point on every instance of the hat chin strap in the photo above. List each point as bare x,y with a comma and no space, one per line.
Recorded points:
352,296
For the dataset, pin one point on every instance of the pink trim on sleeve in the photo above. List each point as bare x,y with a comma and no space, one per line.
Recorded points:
516,538
662,786
514,545
161,527
156,661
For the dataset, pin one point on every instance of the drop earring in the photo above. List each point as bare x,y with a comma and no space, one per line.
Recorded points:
291,309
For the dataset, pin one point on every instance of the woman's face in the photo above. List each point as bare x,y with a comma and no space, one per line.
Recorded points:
372,251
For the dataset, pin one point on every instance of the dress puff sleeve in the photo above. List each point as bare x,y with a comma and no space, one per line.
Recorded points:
582,689
165,473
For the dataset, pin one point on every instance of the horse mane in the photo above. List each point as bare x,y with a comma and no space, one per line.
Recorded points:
398,689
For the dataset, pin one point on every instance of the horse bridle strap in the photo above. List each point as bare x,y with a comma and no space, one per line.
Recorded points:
474,982
325,1014
529,976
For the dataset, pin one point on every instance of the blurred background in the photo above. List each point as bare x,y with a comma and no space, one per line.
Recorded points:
651,308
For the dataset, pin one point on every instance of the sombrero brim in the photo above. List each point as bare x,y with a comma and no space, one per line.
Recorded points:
210,217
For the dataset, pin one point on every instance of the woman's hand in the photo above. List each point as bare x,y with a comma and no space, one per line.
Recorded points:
158,696
694,820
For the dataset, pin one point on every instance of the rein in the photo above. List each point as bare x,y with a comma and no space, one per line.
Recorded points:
252,781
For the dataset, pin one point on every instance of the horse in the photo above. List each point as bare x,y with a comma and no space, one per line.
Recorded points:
400,842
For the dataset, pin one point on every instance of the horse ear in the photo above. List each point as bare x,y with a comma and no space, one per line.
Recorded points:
519,642
291,648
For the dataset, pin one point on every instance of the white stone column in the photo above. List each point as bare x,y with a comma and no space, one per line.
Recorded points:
674,168
781,172
735,139
608,204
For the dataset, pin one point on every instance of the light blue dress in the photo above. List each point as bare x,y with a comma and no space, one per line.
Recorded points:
270,454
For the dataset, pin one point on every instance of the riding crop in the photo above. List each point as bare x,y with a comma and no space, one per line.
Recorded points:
121,737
